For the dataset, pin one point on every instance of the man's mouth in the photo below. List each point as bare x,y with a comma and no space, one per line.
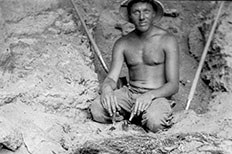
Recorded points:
142,23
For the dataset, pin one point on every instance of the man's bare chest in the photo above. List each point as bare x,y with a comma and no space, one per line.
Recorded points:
148,54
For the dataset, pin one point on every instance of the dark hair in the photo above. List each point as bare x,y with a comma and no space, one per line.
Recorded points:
132,2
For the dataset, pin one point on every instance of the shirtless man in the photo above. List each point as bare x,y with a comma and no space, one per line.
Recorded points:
152,57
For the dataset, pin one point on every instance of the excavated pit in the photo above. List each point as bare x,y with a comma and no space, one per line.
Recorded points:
49,75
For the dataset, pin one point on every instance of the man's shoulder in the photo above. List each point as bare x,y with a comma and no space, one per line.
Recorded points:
169,41
167,36
124,39
121,44
164,33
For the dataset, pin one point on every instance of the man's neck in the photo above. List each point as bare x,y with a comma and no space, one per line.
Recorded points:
144,35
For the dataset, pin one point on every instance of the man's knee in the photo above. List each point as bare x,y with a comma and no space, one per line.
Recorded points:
153,123
98,112
158,116
95,111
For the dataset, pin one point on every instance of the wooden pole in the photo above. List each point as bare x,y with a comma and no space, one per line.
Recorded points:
197,75
96,49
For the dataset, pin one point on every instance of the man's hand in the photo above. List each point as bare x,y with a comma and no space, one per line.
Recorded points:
109,102
141,104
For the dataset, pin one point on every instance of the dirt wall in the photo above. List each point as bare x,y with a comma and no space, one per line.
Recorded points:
39,52
218,70
2,30
47,76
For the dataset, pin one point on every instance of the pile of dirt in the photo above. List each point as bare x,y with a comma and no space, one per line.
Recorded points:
144,144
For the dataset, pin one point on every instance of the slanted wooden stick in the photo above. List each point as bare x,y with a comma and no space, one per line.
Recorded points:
96,49
194,84
122,80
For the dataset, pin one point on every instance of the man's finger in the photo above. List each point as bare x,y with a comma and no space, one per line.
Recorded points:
170,117
132,113
112,103
144,121
167,123
109,106
142,107
131,116
146,107
136,108
103,104
139,110
116,103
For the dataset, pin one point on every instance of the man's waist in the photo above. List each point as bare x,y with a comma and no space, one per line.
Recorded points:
139,89
145,85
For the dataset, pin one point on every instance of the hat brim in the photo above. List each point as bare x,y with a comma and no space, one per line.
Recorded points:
159,12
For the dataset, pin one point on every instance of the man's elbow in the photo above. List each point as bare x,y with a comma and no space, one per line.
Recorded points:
175,88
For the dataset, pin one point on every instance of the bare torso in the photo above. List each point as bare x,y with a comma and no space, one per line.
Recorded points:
145,60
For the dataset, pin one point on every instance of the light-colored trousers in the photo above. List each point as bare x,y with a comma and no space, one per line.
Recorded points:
157,117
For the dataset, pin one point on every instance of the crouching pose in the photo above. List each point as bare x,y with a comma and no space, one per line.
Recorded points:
152,57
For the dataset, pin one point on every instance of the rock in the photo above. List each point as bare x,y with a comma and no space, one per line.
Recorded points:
21,150
171,13
40,131
66,24
7,98
49,148
196,43
10,136
3,31
15,10
32,24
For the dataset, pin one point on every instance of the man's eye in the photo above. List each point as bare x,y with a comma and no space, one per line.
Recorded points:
136,13
147,11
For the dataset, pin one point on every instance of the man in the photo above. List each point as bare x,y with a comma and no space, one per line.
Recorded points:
151,55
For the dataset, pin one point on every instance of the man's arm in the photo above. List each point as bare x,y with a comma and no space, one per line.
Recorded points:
108,99
110,82
171,51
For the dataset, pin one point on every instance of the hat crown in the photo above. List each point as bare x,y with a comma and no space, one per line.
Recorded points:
157,6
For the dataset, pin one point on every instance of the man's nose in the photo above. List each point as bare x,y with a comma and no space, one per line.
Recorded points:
141,16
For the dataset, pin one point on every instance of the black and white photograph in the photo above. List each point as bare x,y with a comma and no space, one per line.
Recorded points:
115,77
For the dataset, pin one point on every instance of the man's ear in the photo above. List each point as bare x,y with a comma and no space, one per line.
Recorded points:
154,14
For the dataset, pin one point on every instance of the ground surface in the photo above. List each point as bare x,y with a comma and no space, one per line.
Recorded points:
50,75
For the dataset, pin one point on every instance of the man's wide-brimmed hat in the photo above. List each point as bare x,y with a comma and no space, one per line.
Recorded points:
158,6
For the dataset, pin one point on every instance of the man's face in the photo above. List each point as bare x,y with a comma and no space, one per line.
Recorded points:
142,15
